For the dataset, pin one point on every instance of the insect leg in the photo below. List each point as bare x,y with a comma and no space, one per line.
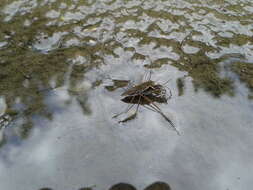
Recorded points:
153,105
127,109
133,115
166,82
138,105
150,108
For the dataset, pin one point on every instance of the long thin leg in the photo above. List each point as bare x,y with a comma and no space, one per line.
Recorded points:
154,108
127,109
133,115
150,108
166,82
166,118
138,105
153,105
151,102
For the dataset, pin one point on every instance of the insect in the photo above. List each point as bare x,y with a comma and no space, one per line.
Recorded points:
146,94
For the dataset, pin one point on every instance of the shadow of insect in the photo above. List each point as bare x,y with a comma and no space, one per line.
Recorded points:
146,94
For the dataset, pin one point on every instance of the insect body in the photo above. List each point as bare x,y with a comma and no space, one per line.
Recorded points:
139,88
149,89
146,94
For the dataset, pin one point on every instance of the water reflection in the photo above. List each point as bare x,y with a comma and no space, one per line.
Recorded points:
76,39
63,64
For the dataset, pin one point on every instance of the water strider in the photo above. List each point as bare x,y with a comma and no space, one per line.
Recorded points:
146,94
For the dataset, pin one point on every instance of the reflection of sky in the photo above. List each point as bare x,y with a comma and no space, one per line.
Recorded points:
74,150
78,149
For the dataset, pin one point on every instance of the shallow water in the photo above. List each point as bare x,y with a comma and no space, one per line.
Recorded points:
57,59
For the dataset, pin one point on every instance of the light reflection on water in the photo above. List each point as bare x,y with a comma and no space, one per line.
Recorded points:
56,59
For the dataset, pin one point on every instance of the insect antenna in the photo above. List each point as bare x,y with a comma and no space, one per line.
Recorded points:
149,77
165,82
146,76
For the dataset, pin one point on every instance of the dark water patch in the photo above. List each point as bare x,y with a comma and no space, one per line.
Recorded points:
180,86
245,72
205,74
159,62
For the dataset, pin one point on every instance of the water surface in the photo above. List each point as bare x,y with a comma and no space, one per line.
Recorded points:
58,60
